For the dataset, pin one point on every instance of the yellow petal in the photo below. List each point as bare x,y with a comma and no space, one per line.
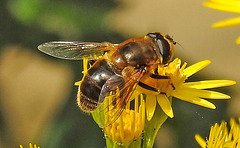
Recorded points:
209,84
142,112
77,83
229,6
200,141
227,23
203,93
238,40
165,104
150,106
196,67
193,99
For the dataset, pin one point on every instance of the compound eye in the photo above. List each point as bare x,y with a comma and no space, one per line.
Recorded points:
165,50
164,46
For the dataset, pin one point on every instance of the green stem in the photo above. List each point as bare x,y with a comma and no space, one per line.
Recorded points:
134,144
151,127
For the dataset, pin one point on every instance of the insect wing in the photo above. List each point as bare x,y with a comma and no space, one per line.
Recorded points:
75,50
114,83
120,90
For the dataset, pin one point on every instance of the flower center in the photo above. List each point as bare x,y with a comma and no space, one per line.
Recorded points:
124,125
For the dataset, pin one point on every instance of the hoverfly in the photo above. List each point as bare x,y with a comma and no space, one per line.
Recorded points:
121,66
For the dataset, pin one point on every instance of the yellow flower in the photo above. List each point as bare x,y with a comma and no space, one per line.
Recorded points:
229,6
221,137
31,146
175,86
128,126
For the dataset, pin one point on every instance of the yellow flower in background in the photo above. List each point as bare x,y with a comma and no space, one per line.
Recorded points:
31,146
221,137
229,6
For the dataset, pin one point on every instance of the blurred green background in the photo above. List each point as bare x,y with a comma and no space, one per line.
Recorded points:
37,92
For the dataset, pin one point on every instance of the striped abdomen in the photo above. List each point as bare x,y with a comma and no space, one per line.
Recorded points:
92,82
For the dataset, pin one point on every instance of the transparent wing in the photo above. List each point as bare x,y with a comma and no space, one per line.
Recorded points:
111,85
75,50
120,89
